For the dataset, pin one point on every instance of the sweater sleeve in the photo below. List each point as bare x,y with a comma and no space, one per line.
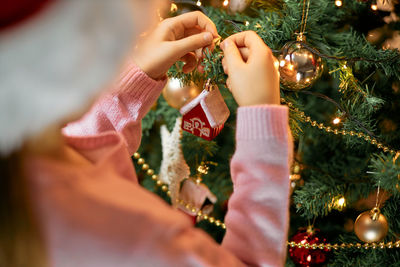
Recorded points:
258,216
121,109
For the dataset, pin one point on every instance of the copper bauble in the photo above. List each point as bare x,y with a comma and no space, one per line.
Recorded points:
371,226
298,67
178,94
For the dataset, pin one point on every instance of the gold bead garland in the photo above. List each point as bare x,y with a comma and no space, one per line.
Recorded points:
343,132
164,187
221,224
328,246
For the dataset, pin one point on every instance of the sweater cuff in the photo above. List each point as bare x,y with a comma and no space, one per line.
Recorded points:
135,84
262,122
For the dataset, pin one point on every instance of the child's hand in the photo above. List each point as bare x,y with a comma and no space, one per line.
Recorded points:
252,72
178,38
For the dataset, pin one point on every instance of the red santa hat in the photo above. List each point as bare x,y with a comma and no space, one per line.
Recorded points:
55,55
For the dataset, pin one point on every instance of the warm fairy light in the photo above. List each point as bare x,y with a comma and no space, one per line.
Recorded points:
336,121
341,202
309,258
276,64
198,3
374,7
290,67
338,203
282,63
246,23
225,3
174,8
338,3
294,177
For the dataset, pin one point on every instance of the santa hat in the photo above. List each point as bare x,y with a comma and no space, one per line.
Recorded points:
55,55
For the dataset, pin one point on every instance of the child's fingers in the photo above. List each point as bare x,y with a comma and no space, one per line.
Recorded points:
192,31
192,43
228,84
249,39
196,18
199,53
224,66
232,55
244,52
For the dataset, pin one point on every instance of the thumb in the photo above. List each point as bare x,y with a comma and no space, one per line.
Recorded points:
231,53
193,42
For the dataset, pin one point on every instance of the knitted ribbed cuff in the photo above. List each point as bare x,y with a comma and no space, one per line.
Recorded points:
136,84
262,122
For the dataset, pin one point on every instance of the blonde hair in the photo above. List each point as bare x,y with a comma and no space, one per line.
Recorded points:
21,244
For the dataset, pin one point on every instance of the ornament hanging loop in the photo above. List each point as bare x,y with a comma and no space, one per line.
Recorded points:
304,18
300,37
375,212
208,86
377,202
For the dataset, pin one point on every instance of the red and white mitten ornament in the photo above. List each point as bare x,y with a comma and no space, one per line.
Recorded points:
198,196
205,115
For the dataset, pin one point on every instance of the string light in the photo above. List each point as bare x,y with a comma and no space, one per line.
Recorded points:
174,7
338,203
225,3
338,3
198,3
336,121
374,6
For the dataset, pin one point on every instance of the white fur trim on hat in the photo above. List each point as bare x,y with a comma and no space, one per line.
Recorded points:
54,63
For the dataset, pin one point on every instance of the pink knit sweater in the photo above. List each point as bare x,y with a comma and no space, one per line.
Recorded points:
93,212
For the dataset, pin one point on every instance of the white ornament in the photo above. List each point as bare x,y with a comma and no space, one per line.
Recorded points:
173,168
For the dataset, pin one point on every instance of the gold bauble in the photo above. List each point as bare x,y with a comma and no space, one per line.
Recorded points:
371,226
298,67
177,94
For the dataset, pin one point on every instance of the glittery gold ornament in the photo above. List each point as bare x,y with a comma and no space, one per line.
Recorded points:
298,67
371,226
177,94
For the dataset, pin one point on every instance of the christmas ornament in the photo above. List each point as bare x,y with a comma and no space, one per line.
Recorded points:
238,5
306,256
198,196
173,168
205,115
298,67
177,94
371,226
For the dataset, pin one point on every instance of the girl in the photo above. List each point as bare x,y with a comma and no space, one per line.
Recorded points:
70,197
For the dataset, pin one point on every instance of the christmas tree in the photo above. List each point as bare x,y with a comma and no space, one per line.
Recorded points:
340,77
